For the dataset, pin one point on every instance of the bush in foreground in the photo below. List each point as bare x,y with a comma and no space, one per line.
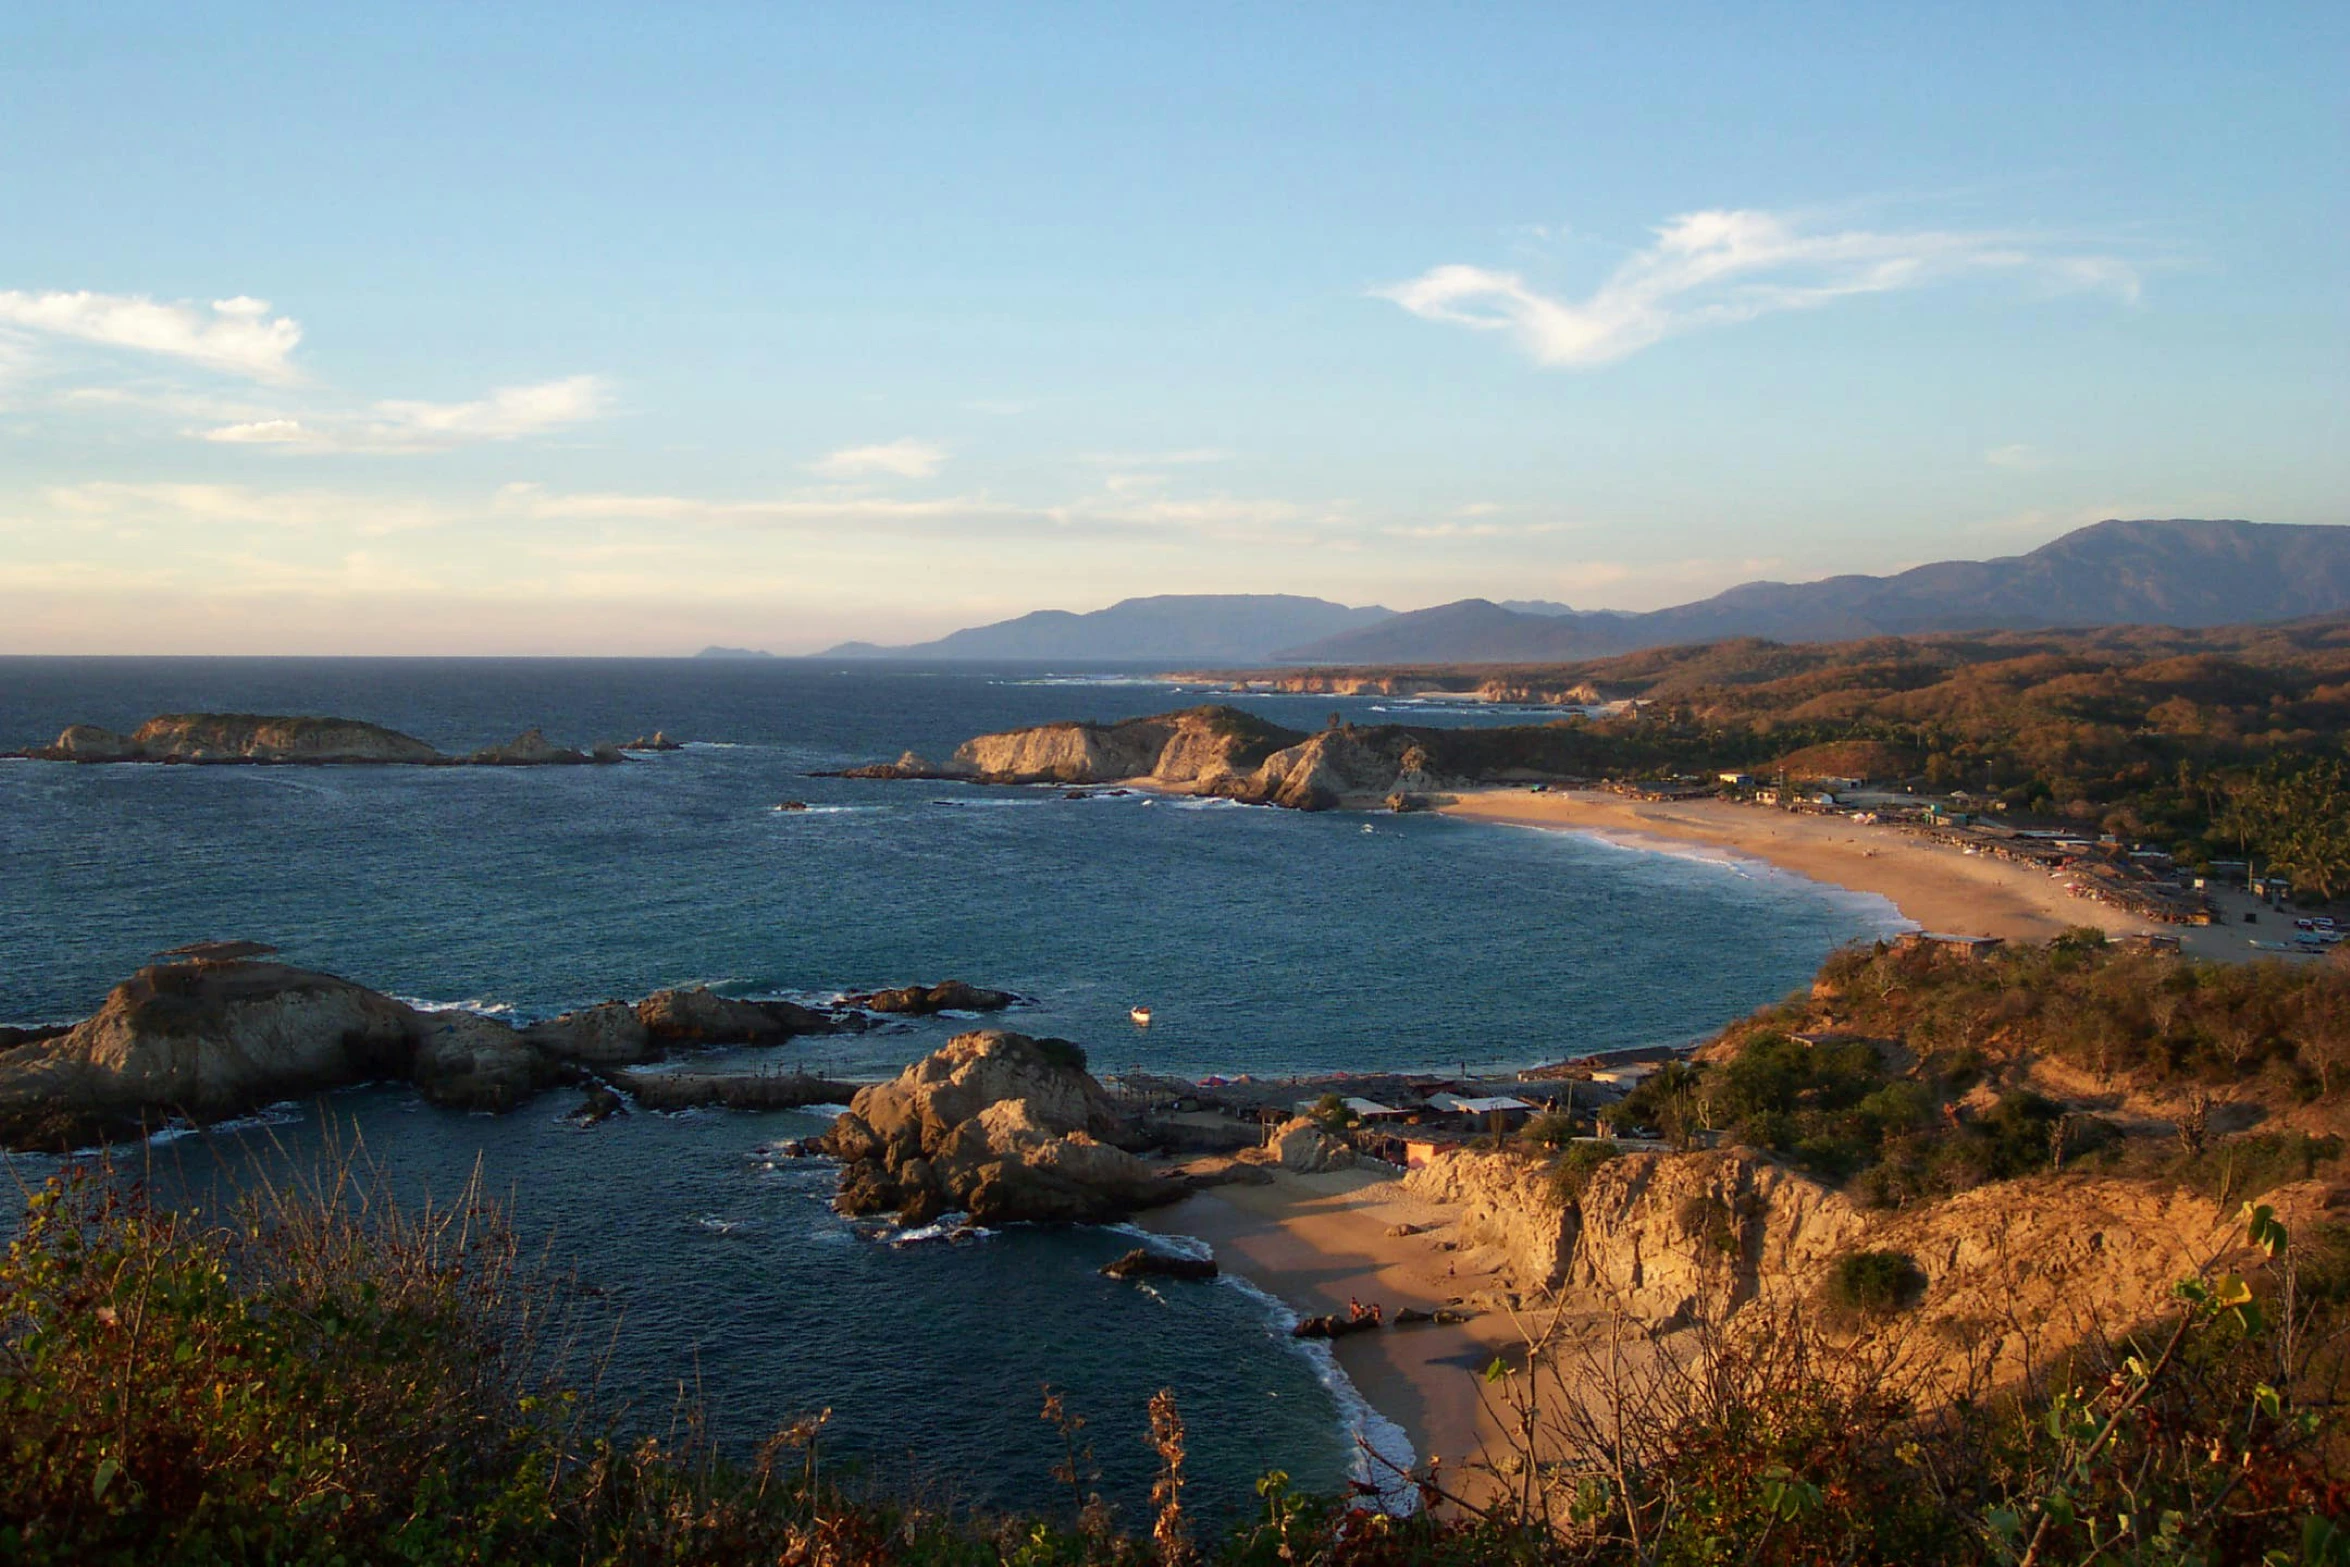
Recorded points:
319,1377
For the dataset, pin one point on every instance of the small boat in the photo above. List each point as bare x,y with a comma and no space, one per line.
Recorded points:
1367,827
1141,1016
793,805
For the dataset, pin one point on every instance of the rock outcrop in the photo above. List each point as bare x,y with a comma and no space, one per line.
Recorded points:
928,1000
468,1061
1204,749
209,1039
1302,1146
206,1040
2017,1269
532,748
607,1034
215,739
1145,1263
701,1016
997,1125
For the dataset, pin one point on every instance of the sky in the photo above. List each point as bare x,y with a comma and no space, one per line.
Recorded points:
623,330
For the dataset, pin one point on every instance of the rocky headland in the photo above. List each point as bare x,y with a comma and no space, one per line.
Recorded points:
996,1125
204,1040
262,739
1218,751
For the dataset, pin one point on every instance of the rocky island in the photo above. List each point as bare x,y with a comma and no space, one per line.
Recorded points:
256,739
217,1036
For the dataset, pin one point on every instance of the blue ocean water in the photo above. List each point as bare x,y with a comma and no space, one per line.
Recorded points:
1266,942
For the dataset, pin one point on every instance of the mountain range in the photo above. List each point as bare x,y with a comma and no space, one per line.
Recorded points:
2175,572
1194,627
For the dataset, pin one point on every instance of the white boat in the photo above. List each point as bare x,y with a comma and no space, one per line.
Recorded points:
1141,1016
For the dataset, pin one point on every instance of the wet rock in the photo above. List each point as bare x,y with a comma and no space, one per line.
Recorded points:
1143,1262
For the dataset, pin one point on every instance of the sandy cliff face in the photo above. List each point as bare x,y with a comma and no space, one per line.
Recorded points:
1507,1207
2014,1271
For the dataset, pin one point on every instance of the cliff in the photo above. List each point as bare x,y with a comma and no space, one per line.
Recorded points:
1217,751
997,1125
2018,1270
1202,748
256,739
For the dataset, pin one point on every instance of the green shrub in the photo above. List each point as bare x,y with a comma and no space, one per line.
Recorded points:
1571,1172
1067,1054
1874,1284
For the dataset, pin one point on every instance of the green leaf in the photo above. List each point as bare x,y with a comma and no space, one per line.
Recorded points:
1496,1371
107,1470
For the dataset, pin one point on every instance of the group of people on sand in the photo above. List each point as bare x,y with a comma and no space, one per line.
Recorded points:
1356,1311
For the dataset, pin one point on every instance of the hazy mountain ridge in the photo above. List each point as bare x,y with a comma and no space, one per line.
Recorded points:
1220,626
2178,571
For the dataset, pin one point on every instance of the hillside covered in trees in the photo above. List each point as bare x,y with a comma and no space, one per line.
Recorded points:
2213,744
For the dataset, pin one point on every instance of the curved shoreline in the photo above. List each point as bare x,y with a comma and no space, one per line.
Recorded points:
1931,887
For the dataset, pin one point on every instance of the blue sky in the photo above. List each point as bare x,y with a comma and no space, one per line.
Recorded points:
583,330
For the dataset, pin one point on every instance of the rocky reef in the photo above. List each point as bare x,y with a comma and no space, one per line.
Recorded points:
263,739
206,1040
997,1125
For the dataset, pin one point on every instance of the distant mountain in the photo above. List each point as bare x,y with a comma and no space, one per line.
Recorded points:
1538,606
1205,627
734,652
2179,572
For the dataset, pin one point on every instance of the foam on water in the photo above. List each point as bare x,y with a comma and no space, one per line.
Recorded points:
1380,1450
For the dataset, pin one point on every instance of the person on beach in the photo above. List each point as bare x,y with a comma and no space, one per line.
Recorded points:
1354,1309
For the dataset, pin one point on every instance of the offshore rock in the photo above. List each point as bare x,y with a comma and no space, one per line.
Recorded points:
240,737
997,1125
532,748
206,1040
1144,1263
253,739
928,1000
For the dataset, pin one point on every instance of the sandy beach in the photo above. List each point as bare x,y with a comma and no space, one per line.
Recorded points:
1317,1241
1940,888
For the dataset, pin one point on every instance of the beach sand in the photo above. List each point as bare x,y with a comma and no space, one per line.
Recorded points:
1316,1241
1939,887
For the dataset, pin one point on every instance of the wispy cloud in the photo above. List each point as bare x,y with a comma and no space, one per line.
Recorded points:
177,507
238,336
2019,456
1715,268
904,458
396,426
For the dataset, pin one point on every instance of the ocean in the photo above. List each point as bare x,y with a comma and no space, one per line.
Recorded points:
1265,942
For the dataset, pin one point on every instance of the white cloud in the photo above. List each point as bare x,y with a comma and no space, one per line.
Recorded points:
1713,268
173,507
904,458
237,335
398,426
2019,456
